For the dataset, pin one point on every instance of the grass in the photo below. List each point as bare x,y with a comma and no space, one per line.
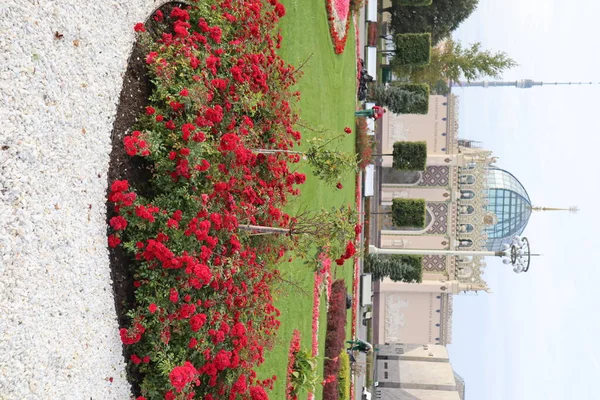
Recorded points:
328,89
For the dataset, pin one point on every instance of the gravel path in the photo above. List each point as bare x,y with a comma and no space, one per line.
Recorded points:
58,93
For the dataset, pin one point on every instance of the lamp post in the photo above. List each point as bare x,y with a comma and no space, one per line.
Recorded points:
517,253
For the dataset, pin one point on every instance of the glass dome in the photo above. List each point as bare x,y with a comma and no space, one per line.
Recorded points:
509,200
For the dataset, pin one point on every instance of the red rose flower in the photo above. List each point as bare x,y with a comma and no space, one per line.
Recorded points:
173,295
118,223
339,185
181,376
348,130
197,321
152,308
139,27
113,241
150,110
135,359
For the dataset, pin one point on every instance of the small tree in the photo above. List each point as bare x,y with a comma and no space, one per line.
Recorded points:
328,231
410,156
453,62
326,164
412,49
409,212
399,268
402,99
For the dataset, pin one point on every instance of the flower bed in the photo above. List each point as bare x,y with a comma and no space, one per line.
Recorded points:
203,314
294,349
334,341
338,15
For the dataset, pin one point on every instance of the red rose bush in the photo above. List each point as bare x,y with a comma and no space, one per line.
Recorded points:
204,313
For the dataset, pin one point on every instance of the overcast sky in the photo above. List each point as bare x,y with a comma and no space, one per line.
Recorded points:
535,336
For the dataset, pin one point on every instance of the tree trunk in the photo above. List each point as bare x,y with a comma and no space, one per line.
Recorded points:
265,229
275,151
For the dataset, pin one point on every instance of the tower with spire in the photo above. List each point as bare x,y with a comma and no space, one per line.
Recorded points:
521,83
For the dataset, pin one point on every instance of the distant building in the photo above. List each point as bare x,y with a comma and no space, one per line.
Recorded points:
416,372
471,205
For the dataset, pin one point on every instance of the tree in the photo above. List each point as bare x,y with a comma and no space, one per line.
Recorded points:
401,99
326,164
399,268
453,62
440,18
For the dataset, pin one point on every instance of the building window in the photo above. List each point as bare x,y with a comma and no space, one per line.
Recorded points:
467,194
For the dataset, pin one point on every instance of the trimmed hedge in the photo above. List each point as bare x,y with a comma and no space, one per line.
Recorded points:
421,104
409,212
413,49
410,156
413,3
335,338
399,268
344,376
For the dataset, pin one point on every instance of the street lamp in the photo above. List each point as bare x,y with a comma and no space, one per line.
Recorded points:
517,253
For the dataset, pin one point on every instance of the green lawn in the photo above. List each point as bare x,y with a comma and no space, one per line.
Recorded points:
328,90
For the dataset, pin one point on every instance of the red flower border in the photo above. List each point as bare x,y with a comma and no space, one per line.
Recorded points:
339,43
294,349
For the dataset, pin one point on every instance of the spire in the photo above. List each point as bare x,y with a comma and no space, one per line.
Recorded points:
572,209
521,84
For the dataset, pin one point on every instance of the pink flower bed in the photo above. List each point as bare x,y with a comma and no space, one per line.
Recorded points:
338,12
294,349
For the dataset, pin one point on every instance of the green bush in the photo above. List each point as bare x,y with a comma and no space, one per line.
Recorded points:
408,212
420,93
410,156
413,49
402,99
344,376
413,3
399,268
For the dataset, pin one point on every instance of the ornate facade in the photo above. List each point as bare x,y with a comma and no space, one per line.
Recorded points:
471,205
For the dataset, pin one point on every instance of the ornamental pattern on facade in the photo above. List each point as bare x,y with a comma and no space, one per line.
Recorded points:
434,263
435,175
439,214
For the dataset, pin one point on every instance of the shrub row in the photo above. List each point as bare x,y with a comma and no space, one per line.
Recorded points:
421,103
334,339
410,156
413,49
408,212
344,376
364,143
399,268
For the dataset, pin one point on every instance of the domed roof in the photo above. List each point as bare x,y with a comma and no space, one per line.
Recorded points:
509,200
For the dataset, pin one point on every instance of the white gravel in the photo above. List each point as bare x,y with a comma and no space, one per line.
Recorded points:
58,329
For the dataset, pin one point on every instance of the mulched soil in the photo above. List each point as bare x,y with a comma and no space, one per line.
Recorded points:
135,92
134,98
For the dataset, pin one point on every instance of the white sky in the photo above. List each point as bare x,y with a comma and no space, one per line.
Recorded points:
534,337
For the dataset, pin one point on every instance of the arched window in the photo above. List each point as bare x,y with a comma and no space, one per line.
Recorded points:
465,210
467,179
467,194
466,228
465,243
